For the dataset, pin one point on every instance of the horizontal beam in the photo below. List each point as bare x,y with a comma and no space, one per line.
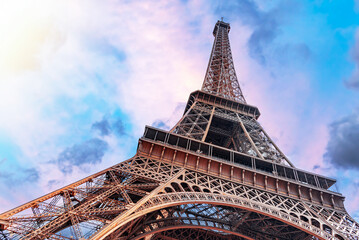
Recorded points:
211,150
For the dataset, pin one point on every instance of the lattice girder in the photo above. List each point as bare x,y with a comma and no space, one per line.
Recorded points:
288,210
95,201
194,122
221,218
221,78
188,187
244,135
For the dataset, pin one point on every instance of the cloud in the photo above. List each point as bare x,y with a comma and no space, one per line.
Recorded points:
353,81
351,193
262,36
342,149
19,176
348,185
88,152
18,184
119,127
170,121
103,127
288,52
160,124
32,175
166,57
266,25
108,126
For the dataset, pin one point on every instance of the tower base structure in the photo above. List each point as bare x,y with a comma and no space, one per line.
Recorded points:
176,186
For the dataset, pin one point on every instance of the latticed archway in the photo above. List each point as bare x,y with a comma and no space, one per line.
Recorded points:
251,215
225,220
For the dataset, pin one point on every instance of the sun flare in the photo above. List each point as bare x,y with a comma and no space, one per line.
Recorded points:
24,28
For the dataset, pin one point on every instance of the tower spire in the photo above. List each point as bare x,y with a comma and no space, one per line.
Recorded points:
221,78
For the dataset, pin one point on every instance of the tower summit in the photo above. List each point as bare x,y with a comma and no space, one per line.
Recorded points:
221,78
215,175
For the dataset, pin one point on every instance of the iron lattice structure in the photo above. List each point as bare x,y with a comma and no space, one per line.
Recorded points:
215,175
221,78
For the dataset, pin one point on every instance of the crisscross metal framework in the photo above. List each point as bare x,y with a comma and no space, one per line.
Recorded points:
221,78
144,197
215,175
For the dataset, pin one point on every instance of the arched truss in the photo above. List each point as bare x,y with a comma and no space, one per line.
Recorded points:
228,214
225,221
185,188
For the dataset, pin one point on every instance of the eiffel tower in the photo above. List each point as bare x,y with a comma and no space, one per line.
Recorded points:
215,175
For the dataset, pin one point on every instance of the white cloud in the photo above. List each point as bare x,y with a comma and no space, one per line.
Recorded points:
42,103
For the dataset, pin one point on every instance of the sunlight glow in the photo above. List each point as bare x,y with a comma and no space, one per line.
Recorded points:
24,27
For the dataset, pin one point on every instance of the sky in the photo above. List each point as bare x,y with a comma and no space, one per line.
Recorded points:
79,80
